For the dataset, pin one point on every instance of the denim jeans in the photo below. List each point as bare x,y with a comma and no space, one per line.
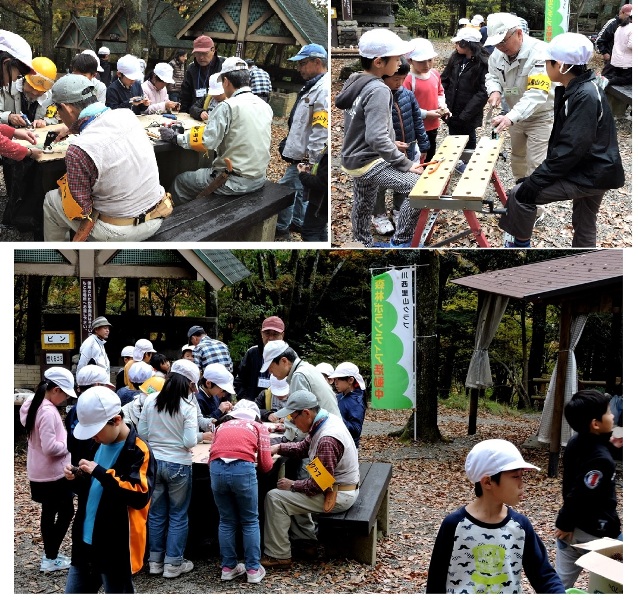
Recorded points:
83,580
168,516
235,490
295,213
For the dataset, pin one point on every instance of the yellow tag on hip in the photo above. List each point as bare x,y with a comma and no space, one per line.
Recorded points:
69,204
320,474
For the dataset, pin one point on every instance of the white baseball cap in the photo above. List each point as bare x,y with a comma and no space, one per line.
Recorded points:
164,71
93,375
348,369
127,351
279,387
140,372
63,378
187,347
129,66
325,368
142,346
17,46
423,50
94,55
464,21
498,24
273,350
215,88
95,407
245,409
469,34
234,63
187,368
104,50
476,20
219,375
383,42
569,48
490,457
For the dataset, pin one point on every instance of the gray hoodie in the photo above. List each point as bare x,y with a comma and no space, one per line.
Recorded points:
369,133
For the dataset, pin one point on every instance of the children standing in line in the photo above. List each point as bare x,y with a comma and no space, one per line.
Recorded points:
410,138
484,546
241,445
114,484
47,454
350,398
425,81
589,486
369,152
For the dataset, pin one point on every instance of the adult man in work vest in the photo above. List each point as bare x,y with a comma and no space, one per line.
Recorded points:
111,191
238,130
92,351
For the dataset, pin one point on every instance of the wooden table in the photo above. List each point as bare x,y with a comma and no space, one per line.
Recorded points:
430,192
38,176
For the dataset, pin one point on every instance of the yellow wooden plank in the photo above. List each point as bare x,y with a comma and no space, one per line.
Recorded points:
478,172
432,185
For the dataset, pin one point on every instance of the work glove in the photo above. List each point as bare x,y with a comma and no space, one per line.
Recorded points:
168,135
528,192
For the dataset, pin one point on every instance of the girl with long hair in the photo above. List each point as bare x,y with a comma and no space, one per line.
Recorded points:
47,454
169,424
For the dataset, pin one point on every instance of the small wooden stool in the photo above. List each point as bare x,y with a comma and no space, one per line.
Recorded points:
429,193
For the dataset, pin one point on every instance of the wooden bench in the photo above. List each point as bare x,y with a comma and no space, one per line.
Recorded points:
251,217
353,533
619,98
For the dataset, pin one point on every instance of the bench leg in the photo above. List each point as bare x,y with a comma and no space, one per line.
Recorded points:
362,548
383,514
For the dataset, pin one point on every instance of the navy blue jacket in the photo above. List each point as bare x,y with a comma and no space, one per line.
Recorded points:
352,407
117,96
407,121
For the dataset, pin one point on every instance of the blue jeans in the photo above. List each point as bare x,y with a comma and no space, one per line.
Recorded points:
235,490
82,580
295,213
168,516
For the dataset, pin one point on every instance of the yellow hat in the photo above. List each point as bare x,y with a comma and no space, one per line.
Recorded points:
45,74
153,384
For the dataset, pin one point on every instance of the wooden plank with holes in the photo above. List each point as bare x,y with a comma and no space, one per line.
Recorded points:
478,171
432,183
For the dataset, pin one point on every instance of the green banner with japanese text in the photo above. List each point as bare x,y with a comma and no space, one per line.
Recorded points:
556,18
392,348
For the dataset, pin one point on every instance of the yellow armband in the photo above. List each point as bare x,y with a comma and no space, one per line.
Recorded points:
540,81
196,138
320,118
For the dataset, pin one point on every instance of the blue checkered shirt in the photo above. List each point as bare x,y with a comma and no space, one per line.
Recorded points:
260,82
210,351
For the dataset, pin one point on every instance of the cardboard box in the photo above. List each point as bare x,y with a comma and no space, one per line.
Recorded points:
605,573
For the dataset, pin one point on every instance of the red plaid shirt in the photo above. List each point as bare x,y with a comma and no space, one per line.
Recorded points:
81,174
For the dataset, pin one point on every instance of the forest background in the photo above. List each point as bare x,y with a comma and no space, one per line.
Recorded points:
323,296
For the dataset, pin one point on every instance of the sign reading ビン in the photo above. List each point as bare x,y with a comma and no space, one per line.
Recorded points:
392,350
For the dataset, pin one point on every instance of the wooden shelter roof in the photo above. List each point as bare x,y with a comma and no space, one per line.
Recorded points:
550,280
78,34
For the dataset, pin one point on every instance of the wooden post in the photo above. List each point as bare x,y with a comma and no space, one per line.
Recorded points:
559,397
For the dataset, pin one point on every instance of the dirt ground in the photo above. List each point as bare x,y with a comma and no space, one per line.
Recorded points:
428,482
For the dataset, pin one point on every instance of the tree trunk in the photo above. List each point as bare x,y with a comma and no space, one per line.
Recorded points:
212,310
34,318
523,401
102,285
537,348
427,366
135,33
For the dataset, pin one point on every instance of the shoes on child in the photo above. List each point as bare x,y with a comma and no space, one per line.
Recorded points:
60,563
229,574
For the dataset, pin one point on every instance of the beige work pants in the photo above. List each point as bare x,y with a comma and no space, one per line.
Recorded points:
529,140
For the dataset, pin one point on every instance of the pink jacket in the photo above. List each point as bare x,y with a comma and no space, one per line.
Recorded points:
47,452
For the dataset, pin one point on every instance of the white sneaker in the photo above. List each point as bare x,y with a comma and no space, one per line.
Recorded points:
382,225
508,240
229,575
48,565
171,571
256,575
155,568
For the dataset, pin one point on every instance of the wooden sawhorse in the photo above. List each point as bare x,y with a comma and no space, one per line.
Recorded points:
429,193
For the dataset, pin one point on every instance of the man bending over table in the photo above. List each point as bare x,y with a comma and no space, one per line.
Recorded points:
111,191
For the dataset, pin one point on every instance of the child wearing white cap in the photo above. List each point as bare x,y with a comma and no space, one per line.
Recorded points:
47,454
113,482
205,105
215,391
482,547
272,399
583,159
169,423
155,89
369,152
125,91
350,397
240,447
